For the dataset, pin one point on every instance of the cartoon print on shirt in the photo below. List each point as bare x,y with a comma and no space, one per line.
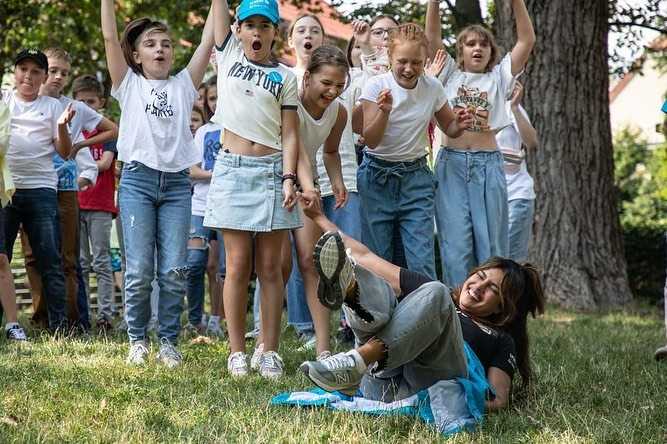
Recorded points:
160,106
476,102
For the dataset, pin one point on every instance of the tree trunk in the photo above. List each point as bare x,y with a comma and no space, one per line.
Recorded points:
468,13
577,234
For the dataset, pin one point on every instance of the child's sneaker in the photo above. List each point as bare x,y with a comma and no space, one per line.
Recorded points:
168,355
324,355
341,372
237,365
16,333
270,365
661,353
213,328
256,356
335,268
138,353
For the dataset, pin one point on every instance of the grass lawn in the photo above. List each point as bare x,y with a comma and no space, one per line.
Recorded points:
596,382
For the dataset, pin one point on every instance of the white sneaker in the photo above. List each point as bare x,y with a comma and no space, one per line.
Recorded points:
138,353
256,356
16,334
341,372
168,355
237,365
270,365
336,270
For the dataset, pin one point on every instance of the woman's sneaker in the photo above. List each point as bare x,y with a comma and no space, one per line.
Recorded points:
138,353
237,365
168,355
16,334
335,268
341,372
270,365
256,355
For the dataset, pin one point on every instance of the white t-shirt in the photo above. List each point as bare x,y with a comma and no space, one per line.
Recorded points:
83,165
483,94
155,121
207,141
254,95
34,128
313,132
519,183
406,137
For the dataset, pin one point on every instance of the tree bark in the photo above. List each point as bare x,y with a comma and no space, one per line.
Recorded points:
577,233
469,13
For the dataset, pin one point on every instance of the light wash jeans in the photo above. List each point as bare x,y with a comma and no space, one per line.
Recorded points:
398,195
471,211
520,227
421,333
197,261
95,234
155,214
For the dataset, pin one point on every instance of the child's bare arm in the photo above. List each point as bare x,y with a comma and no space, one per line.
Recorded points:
106,131
105,162
331,158
115,60
199,60
525,37
198,173
221,23
376,117
63,142
433,28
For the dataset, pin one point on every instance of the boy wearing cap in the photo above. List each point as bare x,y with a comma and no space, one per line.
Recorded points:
39,127
79,172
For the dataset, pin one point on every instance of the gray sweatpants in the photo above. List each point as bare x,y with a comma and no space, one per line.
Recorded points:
422,335
95,234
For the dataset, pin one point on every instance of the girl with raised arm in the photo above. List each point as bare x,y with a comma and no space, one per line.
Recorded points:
156,146
471,197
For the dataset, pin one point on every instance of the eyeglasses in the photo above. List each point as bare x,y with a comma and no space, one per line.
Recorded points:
380,32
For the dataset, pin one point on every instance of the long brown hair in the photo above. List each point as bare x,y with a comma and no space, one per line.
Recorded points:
128,41
521,293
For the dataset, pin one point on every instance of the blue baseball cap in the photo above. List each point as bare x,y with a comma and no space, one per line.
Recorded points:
265,8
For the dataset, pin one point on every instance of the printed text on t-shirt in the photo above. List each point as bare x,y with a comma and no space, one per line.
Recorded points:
160,106
271,82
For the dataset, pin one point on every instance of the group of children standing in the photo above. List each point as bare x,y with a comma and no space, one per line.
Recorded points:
226,203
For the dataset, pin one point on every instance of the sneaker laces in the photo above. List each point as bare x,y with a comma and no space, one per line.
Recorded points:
168,350
137,350
271,361
340,361
236,361
17,333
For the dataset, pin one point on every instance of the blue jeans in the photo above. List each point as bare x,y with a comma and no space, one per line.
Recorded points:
520,226
471,211
347,218
197,260
155,214
398,195
37,210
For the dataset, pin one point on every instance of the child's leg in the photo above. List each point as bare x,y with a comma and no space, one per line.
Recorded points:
99,229
39,313
198,253
68,211
173,225
7,290
238,259
520,227
85,256
138,216
305,239
268,246
214,277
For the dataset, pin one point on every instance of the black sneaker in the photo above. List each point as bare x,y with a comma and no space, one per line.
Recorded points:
661,353
336,270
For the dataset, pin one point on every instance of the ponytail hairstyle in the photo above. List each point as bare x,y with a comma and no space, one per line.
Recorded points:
484,34
210,83
521,293
327,55
409,32
132,32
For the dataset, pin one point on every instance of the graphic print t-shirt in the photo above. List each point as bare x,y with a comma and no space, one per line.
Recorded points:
207,140
254,95
482,94
155,121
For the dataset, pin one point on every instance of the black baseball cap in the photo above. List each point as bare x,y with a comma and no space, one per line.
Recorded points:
35,55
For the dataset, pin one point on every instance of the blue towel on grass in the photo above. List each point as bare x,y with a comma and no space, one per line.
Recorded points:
451,405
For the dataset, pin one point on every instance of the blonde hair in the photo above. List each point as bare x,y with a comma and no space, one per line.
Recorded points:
485,35
409,32
59,54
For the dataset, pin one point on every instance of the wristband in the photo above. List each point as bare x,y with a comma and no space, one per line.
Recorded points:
288,176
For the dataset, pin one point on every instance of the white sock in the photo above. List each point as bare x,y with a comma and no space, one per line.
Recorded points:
358,360
10,325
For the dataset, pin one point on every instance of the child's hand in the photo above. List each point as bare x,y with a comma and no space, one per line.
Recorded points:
517,94
340,194
83,183
289,194
67,115
361,31
310,203
464,119
434,67
385,100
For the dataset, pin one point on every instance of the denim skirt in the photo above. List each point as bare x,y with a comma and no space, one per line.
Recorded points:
246,194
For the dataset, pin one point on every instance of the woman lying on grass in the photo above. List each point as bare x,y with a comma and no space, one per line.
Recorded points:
411,329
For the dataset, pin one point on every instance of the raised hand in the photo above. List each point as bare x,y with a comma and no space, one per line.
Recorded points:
67,115
517,94
385,100
362,35
434,67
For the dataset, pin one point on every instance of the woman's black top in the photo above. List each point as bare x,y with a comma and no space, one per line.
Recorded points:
493,347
